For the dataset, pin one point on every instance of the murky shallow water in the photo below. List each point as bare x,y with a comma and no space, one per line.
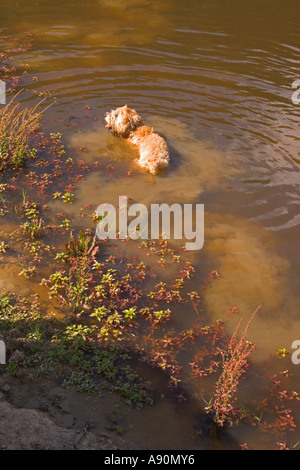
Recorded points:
214,78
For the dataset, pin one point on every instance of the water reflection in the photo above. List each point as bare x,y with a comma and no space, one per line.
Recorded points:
252,273
96,24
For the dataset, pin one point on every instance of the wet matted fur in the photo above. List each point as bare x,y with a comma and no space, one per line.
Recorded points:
153,150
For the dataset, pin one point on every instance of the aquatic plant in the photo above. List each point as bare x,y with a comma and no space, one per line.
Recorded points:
16,127
278,411
48,347
71,285
234,365
11,47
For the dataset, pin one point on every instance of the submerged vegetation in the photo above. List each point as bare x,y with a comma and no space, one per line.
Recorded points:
234,365
111,314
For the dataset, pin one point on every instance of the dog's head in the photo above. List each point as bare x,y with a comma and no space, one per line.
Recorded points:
122,121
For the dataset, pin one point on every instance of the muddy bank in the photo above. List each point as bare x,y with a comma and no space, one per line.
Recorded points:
34,416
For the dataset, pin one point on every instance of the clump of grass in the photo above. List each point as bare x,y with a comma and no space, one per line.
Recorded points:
16,127
72,285
234,365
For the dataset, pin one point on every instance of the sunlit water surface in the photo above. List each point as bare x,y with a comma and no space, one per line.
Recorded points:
214,78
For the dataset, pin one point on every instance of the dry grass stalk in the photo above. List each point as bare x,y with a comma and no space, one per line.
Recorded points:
16,127
235,362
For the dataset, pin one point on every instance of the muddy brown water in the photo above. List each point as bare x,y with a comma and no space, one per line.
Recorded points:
215,79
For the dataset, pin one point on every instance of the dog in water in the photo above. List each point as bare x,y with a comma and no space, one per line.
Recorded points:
126,123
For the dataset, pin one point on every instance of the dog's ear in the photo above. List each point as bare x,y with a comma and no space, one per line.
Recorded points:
127,121
123,122
135,120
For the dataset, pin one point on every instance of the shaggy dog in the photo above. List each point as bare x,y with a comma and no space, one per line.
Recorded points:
153,150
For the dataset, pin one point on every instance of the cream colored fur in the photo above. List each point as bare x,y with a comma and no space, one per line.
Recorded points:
153,151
